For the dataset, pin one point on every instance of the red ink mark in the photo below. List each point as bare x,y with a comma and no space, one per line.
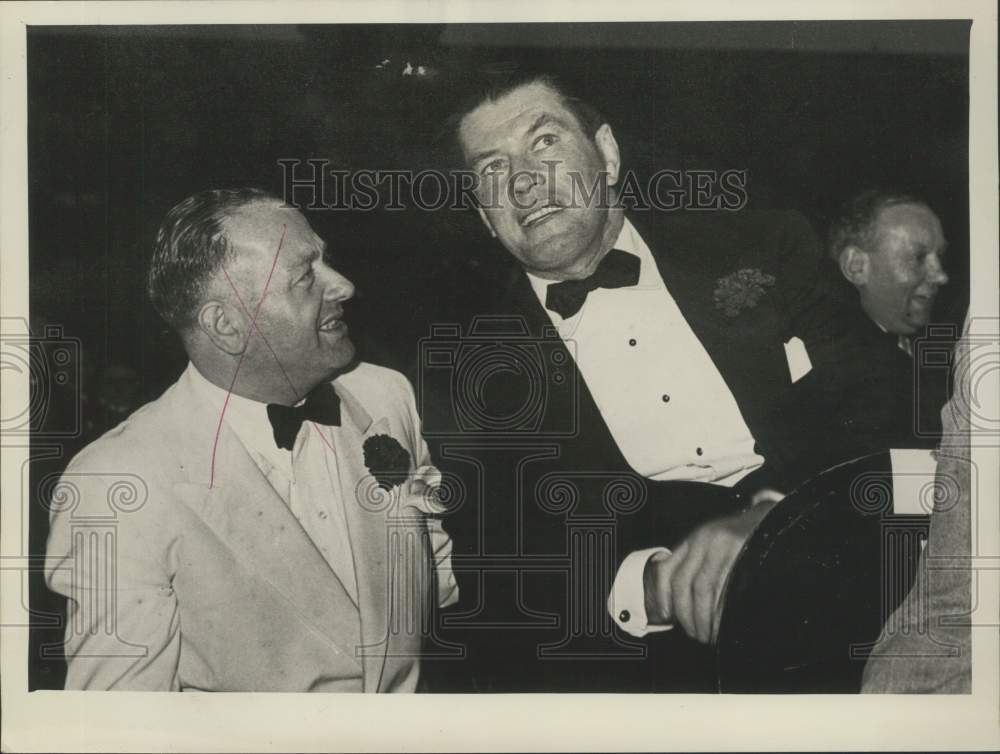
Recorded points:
277,361
253,325
322,436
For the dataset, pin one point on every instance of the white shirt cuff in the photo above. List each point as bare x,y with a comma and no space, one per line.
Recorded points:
627,601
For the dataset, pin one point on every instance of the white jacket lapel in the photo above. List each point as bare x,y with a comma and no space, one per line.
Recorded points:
366,520
238,504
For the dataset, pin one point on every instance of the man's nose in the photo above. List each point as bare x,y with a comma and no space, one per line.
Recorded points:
527,176
524,181
338,287
935,271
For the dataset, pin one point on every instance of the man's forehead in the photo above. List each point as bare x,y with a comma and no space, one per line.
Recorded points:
910,220
264,226
513,112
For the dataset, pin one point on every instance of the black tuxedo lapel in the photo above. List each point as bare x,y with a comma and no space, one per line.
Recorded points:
590,444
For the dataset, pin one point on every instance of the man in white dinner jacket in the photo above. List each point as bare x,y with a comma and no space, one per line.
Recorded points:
269,523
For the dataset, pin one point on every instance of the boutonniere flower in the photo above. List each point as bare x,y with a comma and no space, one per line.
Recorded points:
386,460
741,290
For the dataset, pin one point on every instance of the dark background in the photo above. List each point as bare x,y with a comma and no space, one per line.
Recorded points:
124,122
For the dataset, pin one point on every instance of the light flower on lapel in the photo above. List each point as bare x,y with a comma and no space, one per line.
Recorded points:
387,460
419,490
422,491
741,290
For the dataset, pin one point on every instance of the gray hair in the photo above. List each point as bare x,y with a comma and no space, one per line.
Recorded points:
190,247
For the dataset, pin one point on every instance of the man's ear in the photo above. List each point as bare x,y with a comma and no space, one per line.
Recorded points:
608,149
854,265
486,222
222,328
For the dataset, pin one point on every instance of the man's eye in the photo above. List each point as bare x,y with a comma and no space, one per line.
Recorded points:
546,140
493,166
308,277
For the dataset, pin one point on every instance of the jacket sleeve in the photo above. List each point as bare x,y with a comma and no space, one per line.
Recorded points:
440,541
930,650
106,555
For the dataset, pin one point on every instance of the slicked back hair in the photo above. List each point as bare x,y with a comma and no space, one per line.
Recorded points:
190,246
489,84
854,224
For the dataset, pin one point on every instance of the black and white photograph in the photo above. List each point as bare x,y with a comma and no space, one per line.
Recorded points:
585,368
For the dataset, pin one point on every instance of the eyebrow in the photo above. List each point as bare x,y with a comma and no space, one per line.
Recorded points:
542,120
308,260
474,160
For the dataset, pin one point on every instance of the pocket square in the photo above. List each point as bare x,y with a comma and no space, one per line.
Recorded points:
797,356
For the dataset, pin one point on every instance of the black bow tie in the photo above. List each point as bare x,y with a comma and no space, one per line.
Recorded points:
618,269
322,406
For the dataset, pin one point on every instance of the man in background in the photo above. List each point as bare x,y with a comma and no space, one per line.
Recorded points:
891,248
878,385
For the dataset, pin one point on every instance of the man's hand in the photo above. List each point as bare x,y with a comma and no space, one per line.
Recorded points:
686,586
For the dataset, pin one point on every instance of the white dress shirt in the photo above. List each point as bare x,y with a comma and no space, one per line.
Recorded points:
665,403
302,478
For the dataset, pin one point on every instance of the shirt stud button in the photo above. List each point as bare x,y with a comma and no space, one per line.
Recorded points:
632,341
624,615
699,451
665,398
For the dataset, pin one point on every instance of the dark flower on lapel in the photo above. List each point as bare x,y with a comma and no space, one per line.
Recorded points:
741,290
387,460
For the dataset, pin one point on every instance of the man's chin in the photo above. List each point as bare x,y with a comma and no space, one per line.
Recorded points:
556,255
347,357
918,320
343,360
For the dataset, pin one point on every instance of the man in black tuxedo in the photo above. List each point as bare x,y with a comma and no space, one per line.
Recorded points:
882,381
663,343
891,248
